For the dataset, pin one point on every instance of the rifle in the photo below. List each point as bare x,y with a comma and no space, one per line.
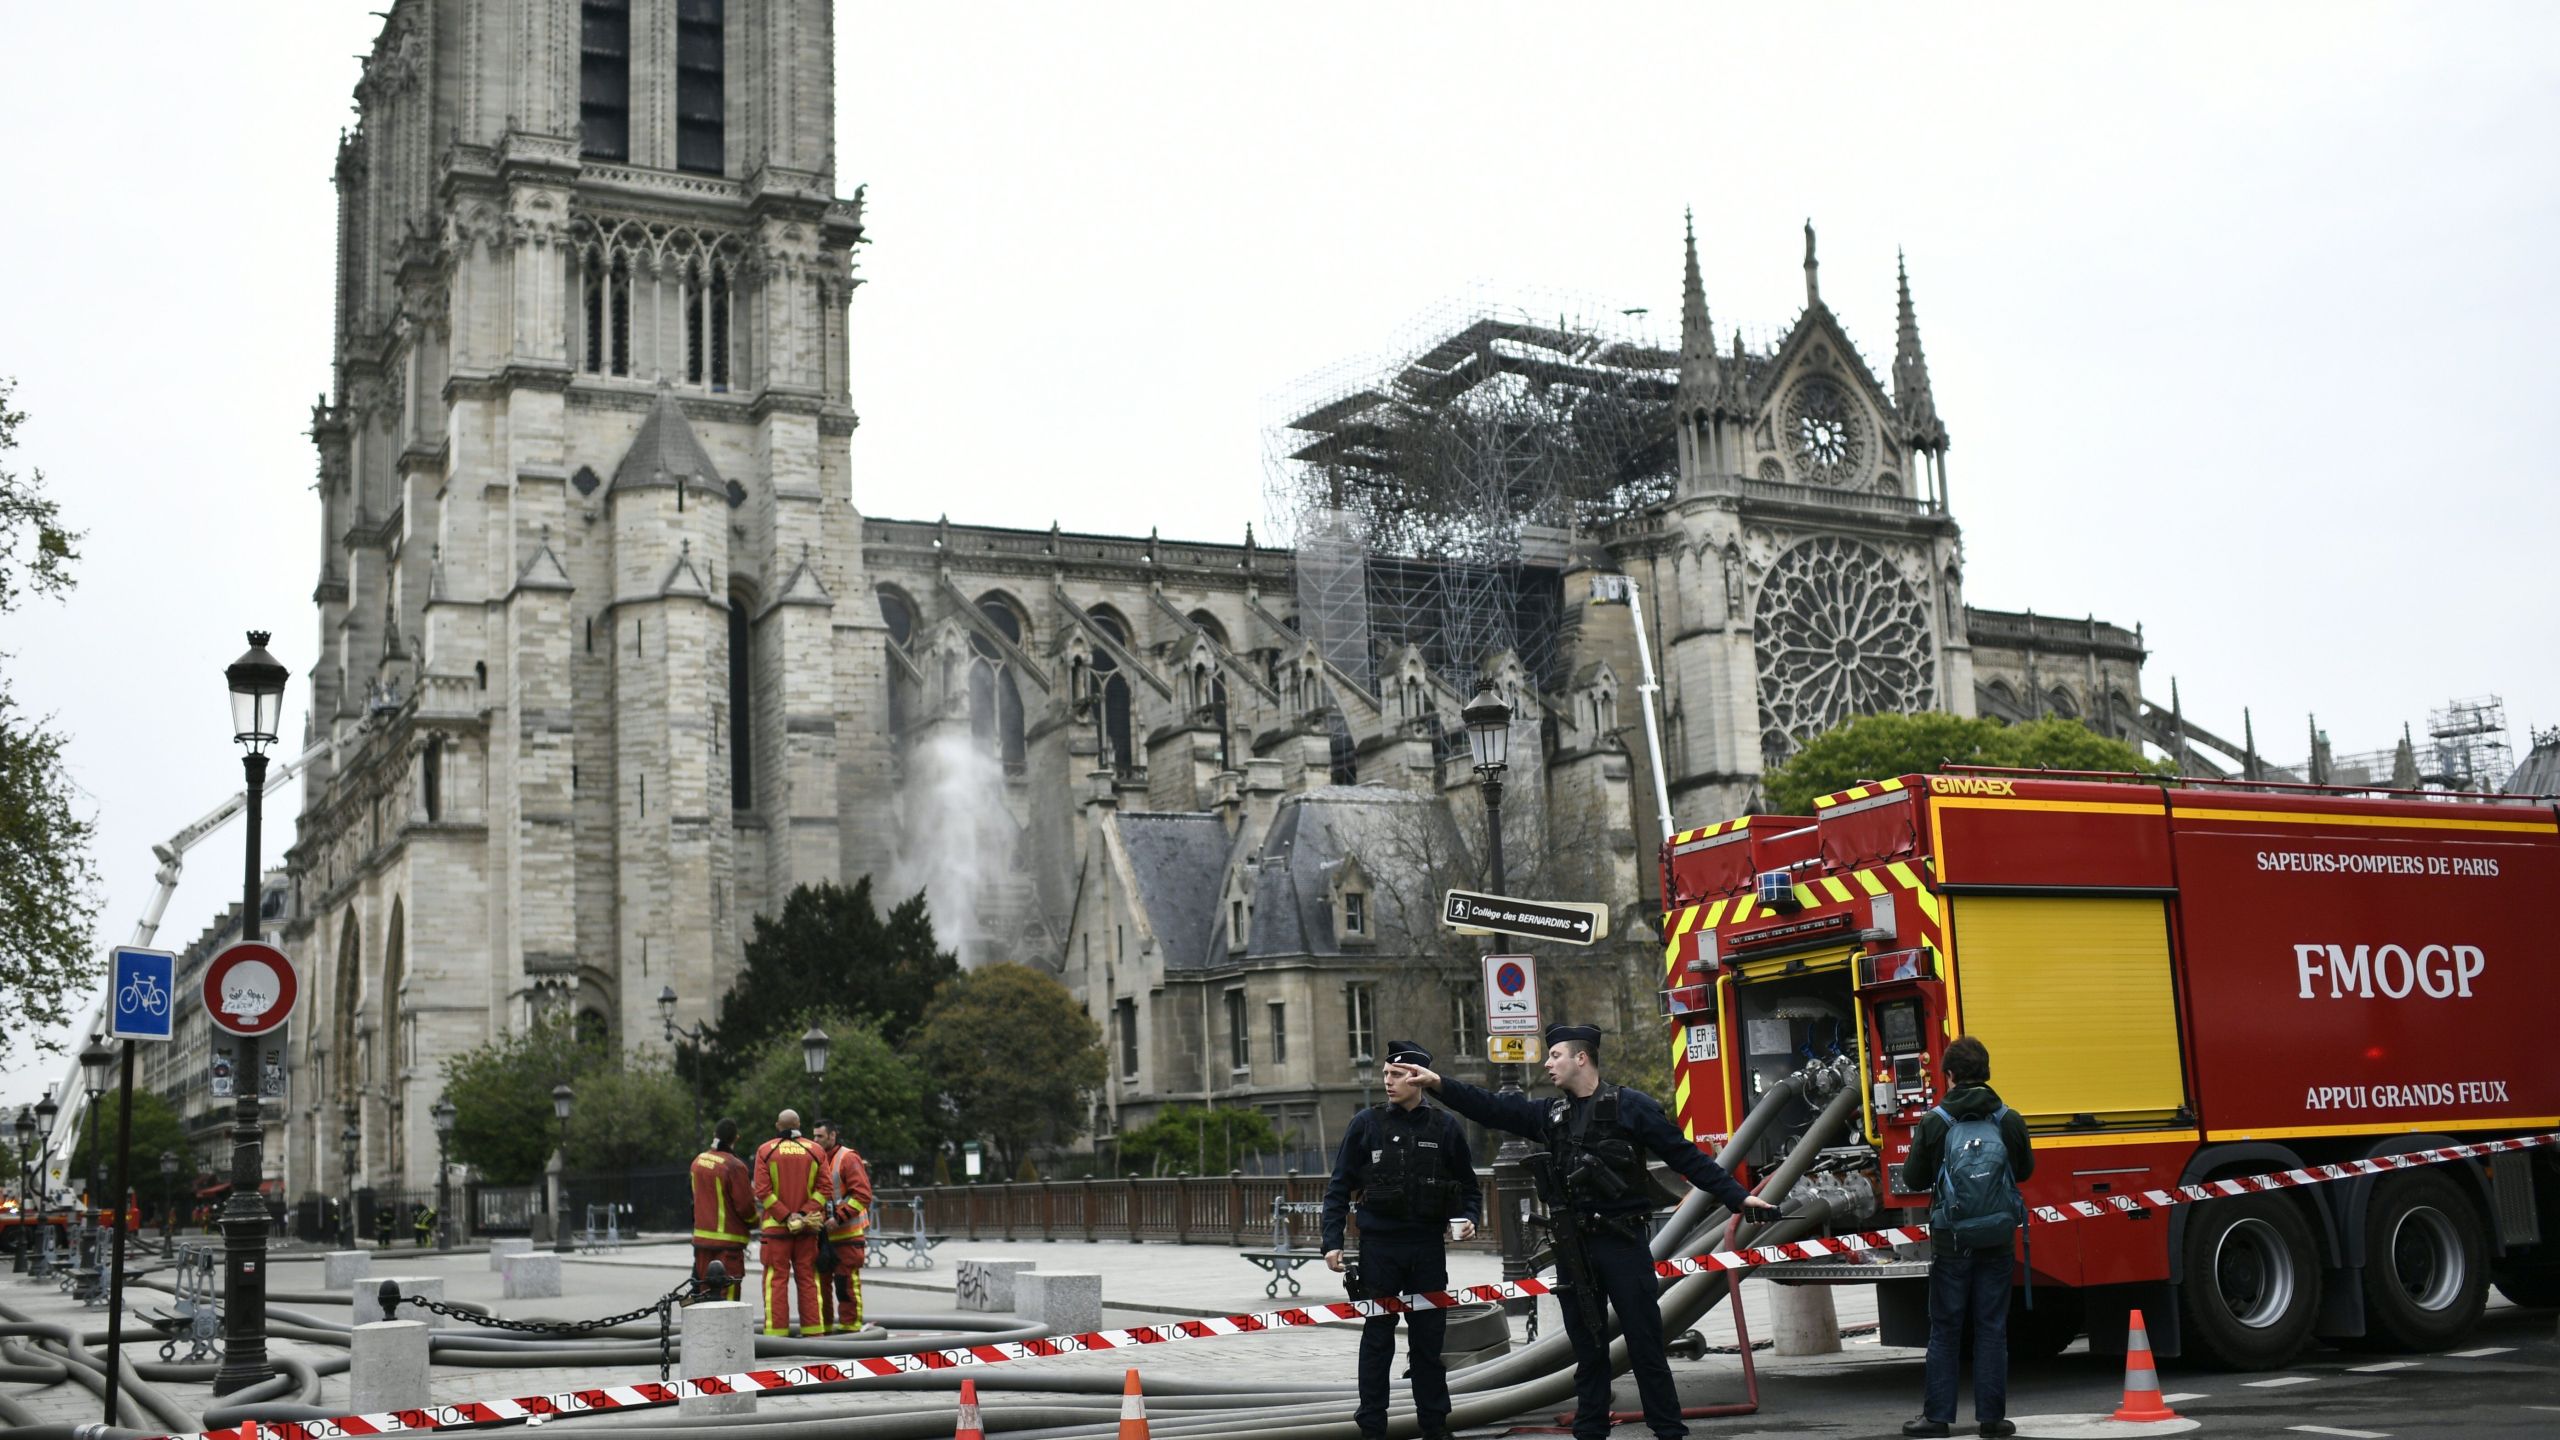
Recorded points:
1565,1237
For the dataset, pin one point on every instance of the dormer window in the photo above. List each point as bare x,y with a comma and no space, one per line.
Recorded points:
1355,913
1354,918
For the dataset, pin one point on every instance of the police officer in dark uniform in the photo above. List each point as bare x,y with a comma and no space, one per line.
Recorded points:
1599,1135
1408,1160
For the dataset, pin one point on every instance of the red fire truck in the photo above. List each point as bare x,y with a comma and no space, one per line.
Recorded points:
2178,982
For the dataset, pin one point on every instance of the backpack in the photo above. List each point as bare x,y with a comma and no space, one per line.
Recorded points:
1976,1205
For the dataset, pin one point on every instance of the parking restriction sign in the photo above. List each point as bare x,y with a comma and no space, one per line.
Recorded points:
1510,995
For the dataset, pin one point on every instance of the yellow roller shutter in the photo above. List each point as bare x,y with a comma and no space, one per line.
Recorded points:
2073,997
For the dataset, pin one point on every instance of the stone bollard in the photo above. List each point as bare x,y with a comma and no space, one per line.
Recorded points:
719,1339
368,1293
348,1266
1068,1302
1807,1322
534,1275
499,1250
387,1367
988,1284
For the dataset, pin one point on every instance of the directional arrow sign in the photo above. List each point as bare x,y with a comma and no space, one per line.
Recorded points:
1472,913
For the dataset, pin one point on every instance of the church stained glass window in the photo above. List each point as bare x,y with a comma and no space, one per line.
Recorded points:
1839,633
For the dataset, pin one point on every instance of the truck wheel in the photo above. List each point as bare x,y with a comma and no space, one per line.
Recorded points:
2252,1282
2425,1263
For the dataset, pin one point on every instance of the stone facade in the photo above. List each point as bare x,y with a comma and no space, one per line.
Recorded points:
610,661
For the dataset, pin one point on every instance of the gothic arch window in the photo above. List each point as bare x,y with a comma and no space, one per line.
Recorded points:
1113,722
394,1042
1344,750
604,79
2058,701
591,1028
1826,433
995,693
899,614
1208,625
1218,717
1838,633
700,87
644,288
2000,691
742,687
431,778
348,993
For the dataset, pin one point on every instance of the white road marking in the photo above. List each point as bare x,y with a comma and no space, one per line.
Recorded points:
2385,1365
2484,1352
2333,1430
2281,1380
2188,1395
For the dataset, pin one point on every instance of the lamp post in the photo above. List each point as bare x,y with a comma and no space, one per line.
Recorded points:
168,1204
94,1062
813,1055
257,686
561,1095
694,1035
23,1130
350,1140
47,1109
1488,721
443,1114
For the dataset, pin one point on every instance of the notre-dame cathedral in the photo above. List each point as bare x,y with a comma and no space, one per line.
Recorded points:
617,646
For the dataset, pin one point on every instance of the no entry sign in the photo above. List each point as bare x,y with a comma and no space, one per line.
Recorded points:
250,989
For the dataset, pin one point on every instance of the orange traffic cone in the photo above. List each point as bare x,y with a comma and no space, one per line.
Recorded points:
970,1427
1133,1409
2141,1380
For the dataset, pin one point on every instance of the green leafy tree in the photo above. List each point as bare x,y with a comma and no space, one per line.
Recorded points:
1872,747
628,1115
874,1093
48,887
155,1128
829,950
1014,1057
1183,1139
501,1093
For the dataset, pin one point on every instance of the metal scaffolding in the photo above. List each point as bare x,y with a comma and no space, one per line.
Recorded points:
1455,472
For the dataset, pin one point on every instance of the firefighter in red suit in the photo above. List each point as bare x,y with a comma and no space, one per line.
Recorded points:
848,1227
791,1211
724,1212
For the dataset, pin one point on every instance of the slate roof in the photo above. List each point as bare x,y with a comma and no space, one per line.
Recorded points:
2539,773
666,451
1179,865
1310,838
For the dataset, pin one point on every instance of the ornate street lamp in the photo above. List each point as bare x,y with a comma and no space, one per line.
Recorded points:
561,1096
95,1062
813,1055
257,684
168,1204
23,1130
1488,722
443,1114
694,1035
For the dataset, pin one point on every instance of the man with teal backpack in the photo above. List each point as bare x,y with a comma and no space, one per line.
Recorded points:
1969,1155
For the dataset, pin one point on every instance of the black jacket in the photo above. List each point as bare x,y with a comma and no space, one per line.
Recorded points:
1369,1133
1639,1114
1929,1139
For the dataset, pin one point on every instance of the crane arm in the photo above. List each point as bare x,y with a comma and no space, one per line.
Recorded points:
172,852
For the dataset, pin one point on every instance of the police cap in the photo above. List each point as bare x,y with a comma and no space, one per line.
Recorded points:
1405,1052
1587,1034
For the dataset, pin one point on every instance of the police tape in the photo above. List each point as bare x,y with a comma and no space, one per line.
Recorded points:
537,1409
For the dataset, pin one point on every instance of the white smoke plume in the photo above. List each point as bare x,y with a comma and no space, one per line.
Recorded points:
954,839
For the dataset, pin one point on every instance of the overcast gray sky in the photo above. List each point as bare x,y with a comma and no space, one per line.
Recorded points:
2240,315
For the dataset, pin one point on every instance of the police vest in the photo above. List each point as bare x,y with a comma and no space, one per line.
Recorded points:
1408,1173
1600,1162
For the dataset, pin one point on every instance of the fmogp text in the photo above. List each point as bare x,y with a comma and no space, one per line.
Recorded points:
2393,972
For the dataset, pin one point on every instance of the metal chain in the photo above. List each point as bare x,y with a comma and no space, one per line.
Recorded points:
684,1293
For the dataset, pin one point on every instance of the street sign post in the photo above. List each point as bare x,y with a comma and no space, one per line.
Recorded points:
141,982
1507,1049
250,989
1510,995
1471,912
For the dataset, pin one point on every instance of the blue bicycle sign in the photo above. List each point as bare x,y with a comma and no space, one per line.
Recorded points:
142,982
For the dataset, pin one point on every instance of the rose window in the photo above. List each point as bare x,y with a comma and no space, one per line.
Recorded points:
1840,633
1826,433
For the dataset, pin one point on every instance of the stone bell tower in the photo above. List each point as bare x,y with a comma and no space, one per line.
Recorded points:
586,535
